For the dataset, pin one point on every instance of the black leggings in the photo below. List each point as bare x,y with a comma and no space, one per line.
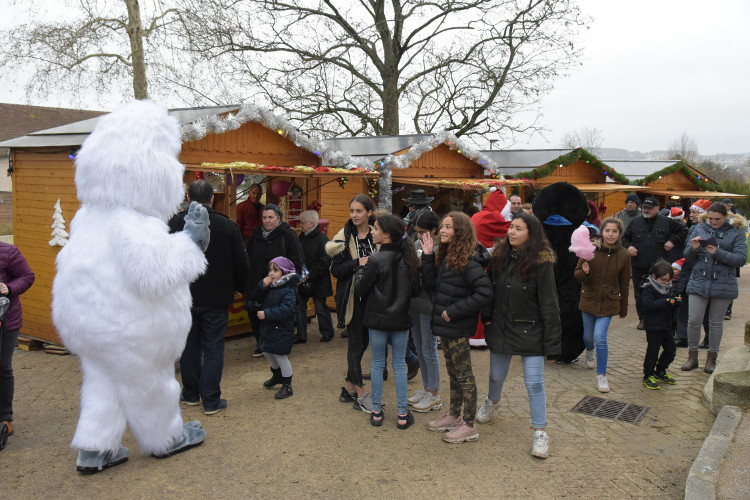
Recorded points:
359,339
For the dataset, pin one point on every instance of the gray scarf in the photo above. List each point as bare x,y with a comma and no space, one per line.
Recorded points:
659,287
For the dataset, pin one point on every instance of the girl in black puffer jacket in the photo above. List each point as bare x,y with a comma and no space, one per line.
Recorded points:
462,289
387,282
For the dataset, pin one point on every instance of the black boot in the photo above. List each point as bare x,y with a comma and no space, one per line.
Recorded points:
275,379
286,388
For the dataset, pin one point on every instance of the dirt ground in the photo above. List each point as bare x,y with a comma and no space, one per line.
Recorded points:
312,446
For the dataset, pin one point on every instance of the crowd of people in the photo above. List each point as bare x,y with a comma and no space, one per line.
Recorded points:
430,283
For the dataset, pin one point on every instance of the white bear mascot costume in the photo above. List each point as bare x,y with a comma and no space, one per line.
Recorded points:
121,298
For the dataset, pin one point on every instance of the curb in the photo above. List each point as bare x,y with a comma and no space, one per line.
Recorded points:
701,480
736,359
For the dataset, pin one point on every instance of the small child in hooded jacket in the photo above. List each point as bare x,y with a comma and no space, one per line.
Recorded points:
278,294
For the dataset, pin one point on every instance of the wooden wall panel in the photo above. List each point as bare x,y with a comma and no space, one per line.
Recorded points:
38,181
442,162
676,181
253,143
579,172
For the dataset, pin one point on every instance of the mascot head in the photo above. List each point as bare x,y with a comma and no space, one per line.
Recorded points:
564,200
130,160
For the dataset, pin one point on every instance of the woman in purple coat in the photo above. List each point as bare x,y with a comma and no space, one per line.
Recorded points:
15,278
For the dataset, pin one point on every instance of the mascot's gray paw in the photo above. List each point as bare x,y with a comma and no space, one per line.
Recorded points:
196,225
192,436
90,462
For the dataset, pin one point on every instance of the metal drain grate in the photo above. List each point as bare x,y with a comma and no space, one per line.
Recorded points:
615,410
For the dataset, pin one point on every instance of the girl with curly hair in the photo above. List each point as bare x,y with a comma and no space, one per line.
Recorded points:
461,290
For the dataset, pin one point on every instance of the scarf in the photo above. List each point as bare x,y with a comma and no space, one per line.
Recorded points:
659,287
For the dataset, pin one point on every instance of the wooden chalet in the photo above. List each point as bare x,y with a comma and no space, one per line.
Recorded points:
43,172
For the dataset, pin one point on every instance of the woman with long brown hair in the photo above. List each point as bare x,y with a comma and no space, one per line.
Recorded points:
462,288
525,319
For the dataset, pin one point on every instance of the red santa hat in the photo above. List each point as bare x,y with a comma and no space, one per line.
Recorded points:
700,206
493,221
678,264
677,213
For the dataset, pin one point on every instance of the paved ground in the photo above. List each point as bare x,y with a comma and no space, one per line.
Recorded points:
312,446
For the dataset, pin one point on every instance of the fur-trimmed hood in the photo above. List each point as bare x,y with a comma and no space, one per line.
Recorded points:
735,220
547,256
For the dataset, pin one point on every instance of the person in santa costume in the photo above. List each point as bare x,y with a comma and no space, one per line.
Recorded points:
121,297
491,224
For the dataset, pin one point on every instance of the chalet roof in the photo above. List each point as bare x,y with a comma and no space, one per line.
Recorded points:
375,147
514,161
73,134
17,120
638,169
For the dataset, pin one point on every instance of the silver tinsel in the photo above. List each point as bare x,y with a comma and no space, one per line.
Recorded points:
385,184
252,113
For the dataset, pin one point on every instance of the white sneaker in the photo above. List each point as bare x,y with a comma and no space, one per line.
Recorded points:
485,411
601,383
590,359
417,396
540,446
429,402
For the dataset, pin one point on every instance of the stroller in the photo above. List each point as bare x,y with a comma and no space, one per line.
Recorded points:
4,304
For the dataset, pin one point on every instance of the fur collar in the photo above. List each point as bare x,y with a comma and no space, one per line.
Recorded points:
598,242
735,220
547,256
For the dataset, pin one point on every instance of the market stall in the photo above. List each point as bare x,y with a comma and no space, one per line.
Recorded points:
45,196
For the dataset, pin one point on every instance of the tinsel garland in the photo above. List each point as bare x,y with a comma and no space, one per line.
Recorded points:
241,166
700,181
569,159
251,113
405,160
385,185
444,137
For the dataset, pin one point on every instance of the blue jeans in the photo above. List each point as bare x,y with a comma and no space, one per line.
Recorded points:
206,340
7,383
427,351
595,335
379,340
533,377
322,312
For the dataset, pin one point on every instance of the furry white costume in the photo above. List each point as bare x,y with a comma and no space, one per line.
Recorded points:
121,298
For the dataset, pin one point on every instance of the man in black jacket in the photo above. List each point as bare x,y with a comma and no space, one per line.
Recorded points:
212,293
318,263
648,238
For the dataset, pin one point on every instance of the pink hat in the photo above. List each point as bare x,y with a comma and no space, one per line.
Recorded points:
700,206
286,265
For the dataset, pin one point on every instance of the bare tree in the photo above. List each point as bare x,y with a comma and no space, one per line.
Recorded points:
377,66
99,45
684,148
590,139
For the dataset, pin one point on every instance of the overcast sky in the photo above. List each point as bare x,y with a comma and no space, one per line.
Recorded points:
651,70
656,68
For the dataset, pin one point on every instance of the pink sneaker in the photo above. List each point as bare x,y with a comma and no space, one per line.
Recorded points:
445,423
462,432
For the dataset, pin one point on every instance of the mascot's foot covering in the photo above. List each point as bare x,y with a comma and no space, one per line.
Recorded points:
90,462
192,436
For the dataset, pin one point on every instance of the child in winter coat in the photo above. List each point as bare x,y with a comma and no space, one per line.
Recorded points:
278,294
659,304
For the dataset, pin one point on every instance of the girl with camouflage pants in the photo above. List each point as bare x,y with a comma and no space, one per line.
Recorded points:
461,289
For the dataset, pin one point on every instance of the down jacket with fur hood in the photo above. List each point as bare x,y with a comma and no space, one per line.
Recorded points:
462,293
716,275
526,315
